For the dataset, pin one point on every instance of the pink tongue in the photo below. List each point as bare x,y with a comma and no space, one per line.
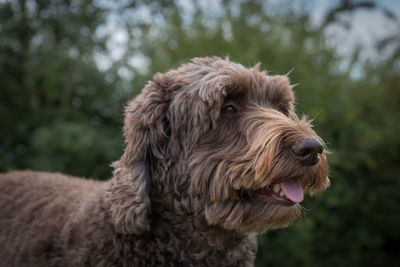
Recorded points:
293,190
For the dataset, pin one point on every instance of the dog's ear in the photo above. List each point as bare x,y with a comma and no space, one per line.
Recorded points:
146,131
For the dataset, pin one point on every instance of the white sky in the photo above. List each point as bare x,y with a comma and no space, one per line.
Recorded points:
366,27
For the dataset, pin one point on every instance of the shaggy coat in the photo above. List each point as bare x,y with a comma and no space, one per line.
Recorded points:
206,146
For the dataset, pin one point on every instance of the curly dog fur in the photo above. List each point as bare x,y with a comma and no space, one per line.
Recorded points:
206,145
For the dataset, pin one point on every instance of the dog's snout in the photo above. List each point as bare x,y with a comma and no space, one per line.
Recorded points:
307,150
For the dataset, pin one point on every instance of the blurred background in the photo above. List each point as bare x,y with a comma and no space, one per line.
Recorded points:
68,67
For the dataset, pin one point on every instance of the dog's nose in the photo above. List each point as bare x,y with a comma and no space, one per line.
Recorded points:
307,150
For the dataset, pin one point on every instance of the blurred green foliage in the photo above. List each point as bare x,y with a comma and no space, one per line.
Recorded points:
60,112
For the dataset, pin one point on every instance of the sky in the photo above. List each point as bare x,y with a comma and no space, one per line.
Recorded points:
365,28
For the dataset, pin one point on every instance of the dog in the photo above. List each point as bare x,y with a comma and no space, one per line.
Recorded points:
214,155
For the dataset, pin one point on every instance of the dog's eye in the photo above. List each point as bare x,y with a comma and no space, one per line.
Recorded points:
230,109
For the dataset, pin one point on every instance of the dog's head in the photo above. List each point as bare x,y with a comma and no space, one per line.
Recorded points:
219,140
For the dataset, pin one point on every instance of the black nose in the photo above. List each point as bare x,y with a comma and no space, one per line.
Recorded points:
307,150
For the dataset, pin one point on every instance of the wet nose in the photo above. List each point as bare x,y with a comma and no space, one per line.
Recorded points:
307,150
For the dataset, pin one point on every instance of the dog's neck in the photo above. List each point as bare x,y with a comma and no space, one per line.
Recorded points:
190,233
192,225
182,215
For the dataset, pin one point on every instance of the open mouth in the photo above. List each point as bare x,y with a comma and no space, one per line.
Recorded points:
288,193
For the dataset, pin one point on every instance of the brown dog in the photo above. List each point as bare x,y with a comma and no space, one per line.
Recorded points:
214,154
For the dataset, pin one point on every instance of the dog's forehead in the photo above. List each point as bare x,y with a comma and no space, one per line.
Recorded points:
225,78
214,80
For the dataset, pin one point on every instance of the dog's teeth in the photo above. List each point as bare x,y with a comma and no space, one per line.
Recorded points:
276,188
282,194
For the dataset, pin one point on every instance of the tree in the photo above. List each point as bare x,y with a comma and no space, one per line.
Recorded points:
52,90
